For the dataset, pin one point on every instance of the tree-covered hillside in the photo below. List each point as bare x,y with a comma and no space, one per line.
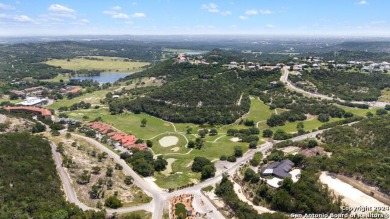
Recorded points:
29,184
347,85
197,94
362,151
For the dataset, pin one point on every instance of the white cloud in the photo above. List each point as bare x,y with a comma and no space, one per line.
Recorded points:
243,18
210,7
377,22
138,15
269,26
6,7
251,12
255,12
61,9
265,11
117,8
120,16
17,18
115,12
362,2
213,8
225,13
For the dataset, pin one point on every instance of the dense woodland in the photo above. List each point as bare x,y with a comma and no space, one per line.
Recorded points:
240,209
197,94
346,85
361,151
32,188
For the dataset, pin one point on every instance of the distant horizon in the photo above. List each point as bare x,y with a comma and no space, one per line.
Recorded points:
347,18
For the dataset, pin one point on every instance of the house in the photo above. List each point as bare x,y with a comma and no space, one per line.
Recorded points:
120,138
279,169
45,113
18,93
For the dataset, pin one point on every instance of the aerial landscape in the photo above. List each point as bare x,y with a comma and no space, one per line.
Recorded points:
194,109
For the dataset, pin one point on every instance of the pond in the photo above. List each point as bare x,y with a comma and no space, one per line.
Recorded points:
103,77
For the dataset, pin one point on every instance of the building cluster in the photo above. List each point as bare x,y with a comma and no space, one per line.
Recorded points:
252,66
45,113
117,138
317,63
32,91
198,60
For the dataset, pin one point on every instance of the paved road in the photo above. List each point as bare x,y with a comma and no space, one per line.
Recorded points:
160,197
2,118
284,79
71,195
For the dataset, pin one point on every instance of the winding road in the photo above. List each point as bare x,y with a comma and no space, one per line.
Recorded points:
160,197
289,85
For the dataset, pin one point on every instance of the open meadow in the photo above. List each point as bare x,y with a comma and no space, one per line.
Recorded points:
105,64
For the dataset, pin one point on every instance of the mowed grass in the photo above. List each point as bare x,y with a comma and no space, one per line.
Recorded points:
181,168
60,77
357,111
105,64
258,111
126,122
92,98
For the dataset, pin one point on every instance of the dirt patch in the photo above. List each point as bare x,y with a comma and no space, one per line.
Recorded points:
351,196
235,139
168,141
190,163
290,149
168,170
310,117
175,149
167,124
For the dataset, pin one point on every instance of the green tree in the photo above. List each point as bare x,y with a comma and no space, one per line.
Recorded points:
143,122
267,133
312,143
249,174
238,151
191,144
253,145
213,132
208,171
149,143
323,117
280,135
128,180
160,164
113,202
381,112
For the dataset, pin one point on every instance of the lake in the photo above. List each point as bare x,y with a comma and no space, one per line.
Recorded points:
103,77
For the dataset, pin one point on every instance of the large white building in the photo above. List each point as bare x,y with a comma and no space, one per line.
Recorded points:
32,101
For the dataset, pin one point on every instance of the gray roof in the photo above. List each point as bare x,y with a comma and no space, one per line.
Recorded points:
280,169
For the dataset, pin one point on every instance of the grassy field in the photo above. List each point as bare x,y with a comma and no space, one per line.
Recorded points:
357,111
105,64
385,97
142,214
92,98
60,77
127,122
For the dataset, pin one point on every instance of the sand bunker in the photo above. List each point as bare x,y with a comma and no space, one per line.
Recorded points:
168,170
168,141
235,139
175,149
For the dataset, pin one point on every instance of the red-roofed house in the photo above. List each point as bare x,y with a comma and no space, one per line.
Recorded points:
125,140
29,109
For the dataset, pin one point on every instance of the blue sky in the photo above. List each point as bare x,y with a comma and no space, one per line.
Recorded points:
263,17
